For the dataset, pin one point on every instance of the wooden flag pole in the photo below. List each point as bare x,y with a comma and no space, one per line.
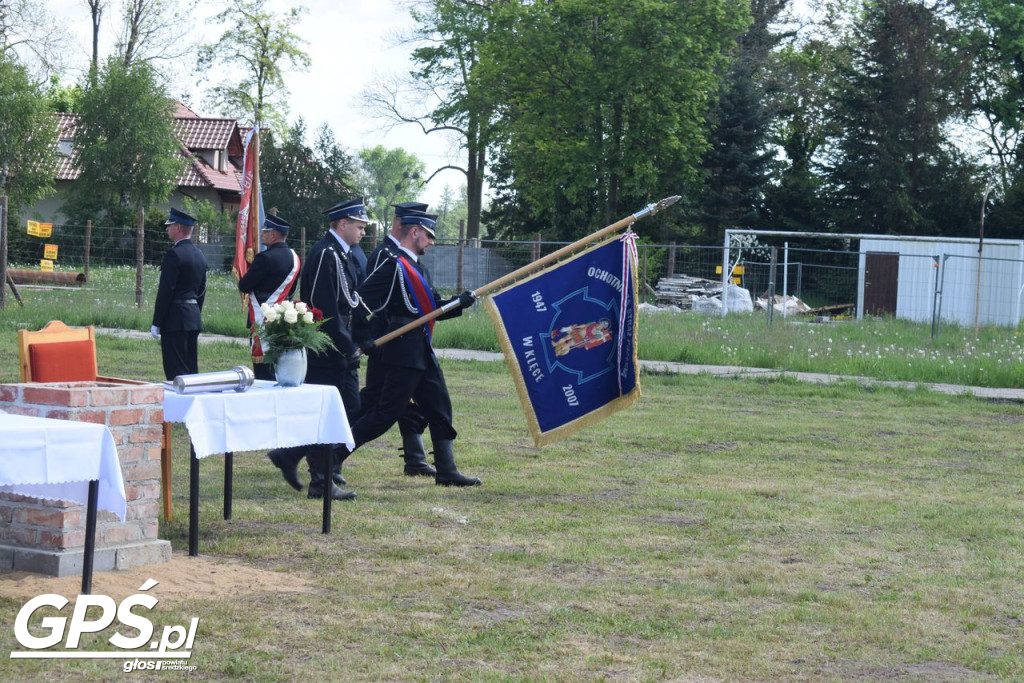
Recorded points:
506,280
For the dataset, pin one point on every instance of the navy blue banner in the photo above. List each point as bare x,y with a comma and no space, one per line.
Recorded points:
569,337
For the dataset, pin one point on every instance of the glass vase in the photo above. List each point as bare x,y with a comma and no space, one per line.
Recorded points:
290,368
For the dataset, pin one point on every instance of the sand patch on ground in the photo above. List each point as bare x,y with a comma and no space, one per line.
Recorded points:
182,577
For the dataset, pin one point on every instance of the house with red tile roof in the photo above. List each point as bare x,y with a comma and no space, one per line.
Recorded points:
211,147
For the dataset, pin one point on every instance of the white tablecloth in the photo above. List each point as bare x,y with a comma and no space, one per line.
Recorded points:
266,416
56,459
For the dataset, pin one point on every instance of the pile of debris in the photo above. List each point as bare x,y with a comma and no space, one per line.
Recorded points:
788,305
681,290
685,293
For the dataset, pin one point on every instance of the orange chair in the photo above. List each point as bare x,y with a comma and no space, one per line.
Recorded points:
58,353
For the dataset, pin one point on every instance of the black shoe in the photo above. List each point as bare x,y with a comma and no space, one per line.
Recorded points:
419,469
338,479
316,490
457,479
289,466
447,473
415,457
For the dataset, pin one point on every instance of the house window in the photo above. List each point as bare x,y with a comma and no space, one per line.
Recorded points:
65,147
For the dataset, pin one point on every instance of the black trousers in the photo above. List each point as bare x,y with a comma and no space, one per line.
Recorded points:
263,371
344,378
180,351
400,385
412,422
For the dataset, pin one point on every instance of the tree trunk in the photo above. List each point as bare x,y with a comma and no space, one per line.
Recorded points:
473,172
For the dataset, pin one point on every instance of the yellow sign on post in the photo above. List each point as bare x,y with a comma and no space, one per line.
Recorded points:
46,266
37,229
50,251
736,270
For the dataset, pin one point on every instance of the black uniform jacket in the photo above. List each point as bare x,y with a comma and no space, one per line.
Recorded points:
330,278
387,295
267,271
182,289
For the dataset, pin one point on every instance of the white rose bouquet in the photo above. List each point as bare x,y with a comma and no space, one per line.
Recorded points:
291,325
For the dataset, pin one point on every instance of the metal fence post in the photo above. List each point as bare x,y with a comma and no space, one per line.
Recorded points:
460,255
88,242
785,277
937,303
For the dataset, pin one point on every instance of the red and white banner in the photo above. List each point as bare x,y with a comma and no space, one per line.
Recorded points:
250,208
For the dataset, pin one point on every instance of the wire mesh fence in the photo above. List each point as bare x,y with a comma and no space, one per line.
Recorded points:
929,286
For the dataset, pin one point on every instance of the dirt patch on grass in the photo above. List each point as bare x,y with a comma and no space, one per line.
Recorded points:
932,672
182,577
714,447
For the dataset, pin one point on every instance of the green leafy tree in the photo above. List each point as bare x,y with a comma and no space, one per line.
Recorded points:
602,108
301,181
388,176
27,156
127,155
993,34
263,46
63,98
211,219
799,129
738,161
27,129
445,92
893,169
452,208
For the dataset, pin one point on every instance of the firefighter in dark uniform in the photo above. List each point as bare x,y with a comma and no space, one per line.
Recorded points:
399,289
177,313
271,278
412,423
329,282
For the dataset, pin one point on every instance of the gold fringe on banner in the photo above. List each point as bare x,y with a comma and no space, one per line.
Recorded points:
541,438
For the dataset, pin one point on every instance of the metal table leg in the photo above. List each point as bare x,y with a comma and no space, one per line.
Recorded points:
328,485
229,473
193,503
90,536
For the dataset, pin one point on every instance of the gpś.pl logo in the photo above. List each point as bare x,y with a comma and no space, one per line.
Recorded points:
168,652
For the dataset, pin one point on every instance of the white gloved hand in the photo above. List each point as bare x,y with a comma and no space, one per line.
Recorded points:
154,332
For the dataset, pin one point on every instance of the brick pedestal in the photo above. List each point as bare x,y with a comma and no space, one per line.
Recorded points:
49,536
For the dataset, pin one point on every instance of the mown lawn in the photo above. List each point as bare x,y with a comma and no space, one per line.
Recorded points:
720,529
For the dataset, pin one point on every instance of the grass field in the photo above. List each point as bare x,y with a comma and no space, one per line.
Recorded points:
882,348
721,529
